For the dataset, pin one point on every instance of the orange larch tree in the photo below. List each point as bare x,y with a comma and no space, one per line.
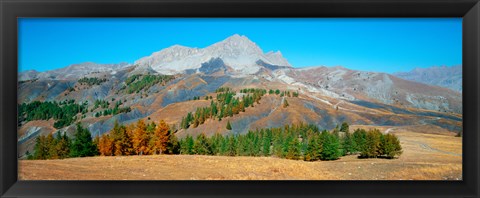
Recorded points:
105,145
140,138
161,137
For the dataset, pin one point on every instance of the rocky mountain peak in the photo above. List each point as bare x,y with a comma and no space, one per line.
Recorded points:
277,58
236,51
235,45
237,39
175,51
272,53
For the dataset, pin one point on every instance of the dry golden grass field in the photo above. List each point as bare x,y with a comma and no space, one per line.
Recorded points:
426,156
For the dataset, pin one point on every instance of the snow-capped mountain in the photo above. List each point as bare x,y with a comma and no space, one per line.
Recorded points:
237,52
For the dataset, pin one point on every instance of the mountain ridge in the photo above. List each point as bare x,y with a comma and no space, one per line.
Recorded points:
71,71
443,76
238,52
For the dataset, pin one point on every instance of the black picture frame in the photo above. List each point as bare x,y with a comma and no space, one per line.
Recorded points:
10,10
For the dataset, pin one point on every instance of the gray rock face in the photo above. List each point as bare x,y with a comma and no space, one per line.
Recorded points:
180,95
42,90
443,76
237,52
277,58
270,66
213,66
103,126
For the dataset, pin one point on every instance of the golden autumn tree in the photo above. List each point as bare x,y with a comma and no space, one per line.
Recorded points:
161,137
121,140
51,143
105,145
63,145
140,138
129,131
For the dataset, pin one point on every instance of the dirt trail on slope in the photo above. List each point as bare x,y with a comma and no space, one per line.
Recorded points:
423,145
429,148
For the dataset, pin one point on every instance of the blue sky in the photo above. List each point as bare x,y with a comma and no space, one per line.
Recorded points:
369,44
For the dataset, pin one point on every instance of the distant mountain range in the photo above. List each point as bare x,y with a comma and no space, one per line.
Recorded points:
443,76
327,95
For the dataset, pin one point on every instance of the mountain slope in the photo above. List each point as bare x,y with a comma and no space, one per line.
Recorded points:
383,88
443,76
327,97
74,71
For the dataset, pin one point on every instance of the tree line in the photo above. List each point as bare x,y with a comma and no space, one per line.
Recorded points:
283,93
135,139
138,139
61,146
64,113
297,142
91,81
138,82
109,111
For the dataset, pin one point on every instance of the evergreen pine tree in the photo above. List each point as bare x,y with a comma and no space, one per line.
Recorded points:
371,148
313,148
82,144
229,127
390,146
294,149
266,143
359,138
330,146
344,127
201,145
232,145
173,145
186,145
349,144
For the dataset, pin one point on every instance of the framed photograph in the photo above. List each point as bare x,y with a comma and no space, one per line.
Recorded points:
265,98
